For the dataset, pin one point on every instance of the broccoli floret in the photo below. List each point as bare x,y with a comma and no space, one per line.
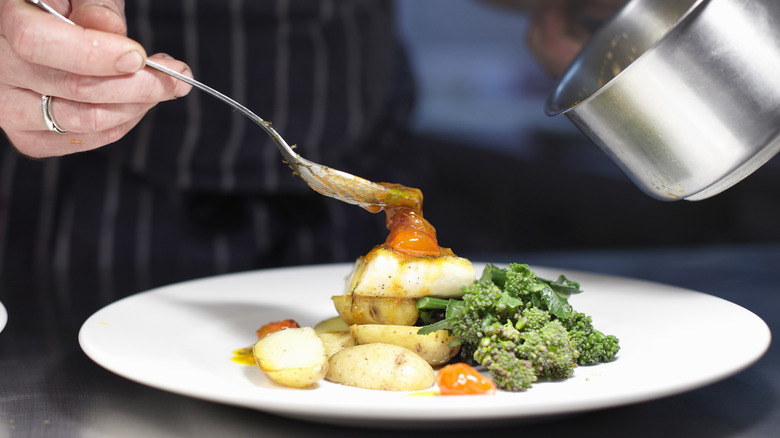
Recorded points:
481,298
593,346
477,309
497,353
505,333
509,372
533,318
550,350
483,304
521,281
516,358
598,348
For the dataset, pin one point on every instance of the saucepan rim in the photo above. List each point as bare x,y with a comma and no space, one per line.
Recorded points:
553,105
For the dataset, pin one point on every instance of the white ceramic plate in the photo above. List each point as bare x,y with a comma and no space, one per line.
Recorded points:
3,317
180,338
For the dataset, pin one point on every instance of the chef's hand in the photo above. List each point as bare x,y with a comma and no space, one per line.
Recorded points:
94,73
559,29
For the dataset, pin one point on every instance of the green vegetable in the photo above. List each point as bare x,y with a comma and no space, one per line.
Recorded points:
550,350
496,352
594,346
519,326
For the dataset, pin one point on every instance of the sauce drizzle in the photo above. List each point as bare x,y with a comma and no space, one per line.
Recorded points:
410,233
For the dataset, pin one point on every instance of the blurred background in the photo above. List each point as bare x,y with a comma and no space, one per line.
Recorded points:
502,176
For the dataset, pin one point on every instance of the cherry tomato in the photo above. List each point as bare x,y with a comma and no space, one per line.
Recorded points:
414,242
275,326
463,379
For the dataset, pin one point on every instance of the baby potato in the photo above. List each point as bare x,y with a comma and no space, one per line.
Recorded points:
335,324
434,347
292,357
357,309
336,341
380,366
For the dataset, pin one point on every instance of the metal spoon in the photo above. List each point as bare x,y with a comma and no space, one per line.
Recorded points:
323,179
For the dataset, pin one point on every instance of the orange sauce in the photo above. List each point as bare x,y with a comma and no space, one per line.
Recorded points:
410,234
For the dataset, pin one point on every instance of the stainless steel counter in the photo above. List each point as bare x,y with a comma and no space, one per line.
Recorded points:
49,388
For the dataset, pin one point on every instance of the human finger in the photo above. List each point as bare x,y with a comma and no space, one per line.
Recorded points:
41,144
104,15
145,86
25,114
40,38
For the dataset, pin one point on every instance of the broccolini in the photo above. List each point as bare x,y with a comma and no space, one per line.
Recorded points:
520,327
593,346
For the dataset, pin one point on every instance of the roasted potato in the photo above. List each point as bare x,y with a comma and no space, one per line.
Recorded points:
292,357
434,347
356,309
336,341
380,366
335,324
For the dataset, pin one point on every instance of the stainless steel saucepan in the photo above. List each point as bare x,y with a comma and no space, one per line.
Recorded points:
684,95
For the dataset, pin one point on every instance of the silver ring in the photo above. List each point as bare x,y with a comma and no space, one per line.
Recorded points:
51,125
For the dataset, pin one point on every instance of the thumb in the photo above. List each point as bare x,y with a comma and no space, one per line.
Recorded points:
103,15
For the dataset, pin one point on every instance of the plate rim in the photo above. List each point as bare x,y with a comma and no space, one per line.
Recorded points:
3,316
